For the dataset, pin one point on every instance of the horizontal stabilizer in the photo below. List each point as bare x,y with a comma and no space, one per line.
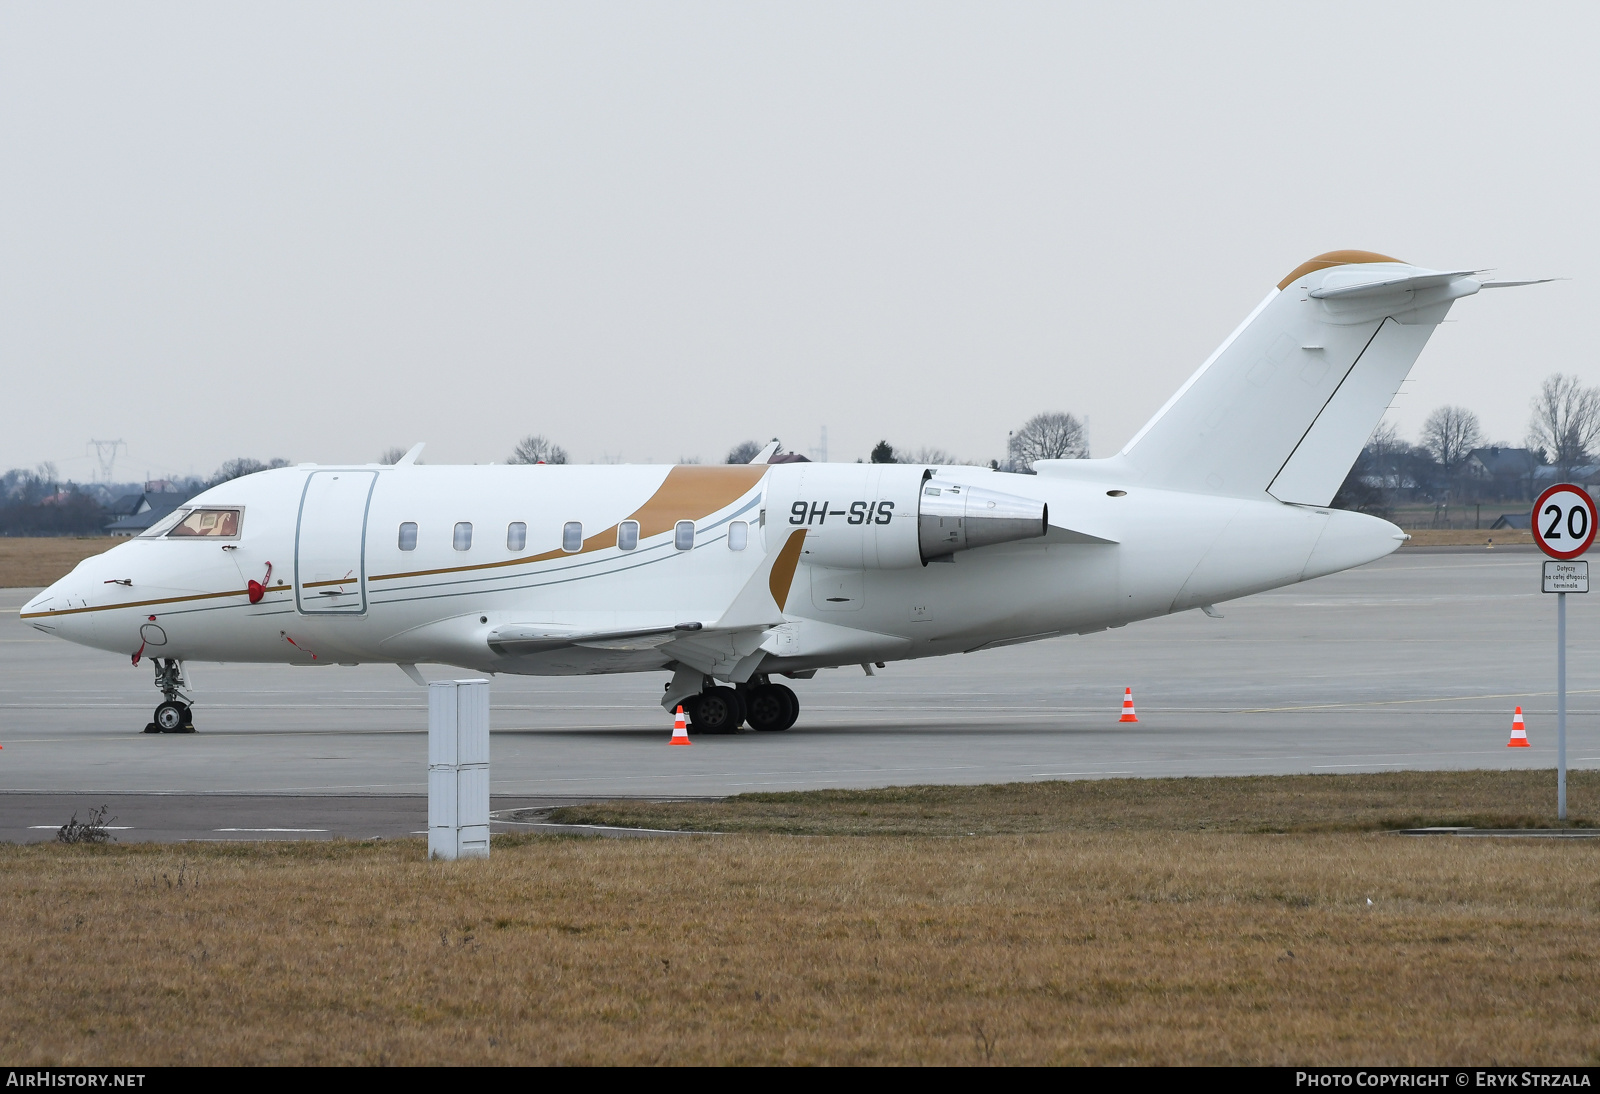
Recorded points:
1352,285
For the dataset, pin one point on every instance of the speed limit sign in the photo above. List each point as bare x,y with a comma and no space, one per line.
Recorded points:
1564,521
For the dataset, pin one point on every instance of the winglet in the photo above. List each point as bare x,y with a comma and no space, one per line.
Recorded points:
411,454
766,454
760,603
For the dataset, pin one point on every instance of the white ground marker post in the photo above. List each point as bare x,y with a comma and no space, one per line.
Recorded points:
1563,526
458,769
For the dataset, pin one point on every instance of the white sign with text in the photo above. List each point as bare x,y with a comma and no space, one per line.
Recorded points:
1566,577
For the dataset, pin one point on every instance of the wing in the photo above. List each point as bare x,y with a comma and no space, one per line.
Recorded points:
718,646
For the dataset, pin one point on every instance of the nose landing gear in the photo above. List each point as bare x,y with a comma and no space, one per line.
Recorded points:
173,715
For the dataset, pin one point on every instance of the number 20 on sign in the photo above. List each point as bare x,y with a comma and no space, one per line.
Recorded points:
1564,521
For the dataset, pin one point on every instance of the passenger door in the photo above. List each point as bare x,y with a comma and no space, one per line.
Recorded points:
330,566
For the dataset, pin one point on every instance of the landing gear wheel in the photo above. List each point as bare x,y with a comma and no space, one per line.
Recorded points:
772,707
717,710
172,717
794,706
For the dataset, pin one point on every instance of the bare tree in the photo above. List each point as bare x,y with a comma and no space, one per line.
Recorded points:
1566,421
744,451
1049,436
929,454
1385,441
536,448
238,468
1451,433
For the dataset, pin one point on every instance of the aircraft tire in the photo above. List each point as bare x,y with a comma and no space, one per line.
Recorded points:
771,708
171,717
718,710
794,705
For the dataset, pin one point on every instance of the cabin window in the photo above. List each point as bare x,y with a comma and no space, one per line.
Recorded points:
408,536
213,523
738,535
516,536
628,535
462,541
572,536
683,535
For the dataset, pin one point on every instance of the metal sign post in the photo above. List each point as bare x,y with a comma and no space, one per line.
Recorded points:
1564,521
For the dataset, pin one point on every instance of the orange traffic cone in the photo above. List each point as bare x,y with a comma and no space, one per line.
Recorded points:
1127,707
680,731
1519,732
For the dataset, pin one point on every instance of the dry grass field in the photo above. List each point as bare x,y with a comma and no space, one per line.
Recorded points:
1249,804
31,561
1188,934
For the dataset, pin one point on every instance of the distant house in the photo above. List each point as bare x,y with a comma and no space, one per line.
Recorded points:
1505,472
138,512
126,506
1516,522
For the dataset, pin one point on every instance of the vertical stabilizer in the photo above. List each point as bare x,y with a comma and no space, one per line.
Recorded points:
1285,404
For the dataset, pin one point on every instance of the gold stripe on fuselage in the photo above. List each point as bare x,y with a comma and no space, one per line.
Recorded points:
53,613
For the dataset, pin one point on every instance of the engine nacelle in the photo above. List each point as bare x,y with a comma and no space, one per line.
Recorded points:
952,517
886,516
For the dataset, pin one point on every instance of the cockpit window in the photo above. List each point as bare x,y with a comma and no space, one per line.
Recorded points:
214,523
164,525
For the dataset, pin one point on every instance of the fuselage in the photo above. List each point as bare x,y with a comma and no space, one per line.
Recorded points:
424,563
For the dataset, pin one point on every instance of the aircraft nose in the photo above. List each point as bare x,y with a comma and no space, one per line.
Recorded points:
42,602
46,611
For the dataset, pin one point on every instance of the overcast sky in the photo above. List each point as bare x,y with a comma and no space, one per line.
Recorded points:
654,230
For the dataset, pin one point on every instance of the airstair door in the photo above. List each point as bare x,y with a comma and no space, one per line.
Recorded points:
330,556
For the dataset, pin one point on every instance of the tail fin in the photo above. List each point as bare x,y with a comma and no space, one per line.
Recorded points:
1285,404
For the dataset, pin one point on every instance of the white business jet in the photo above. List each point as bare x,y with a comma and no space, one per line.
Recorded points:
728,577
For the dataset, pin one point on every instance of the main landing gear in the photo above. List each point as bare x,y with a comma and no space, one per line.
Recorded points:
768,707
173,715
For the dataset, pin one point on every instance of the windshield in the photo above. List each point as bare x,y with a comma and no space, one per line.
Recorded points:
215,523
164,525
